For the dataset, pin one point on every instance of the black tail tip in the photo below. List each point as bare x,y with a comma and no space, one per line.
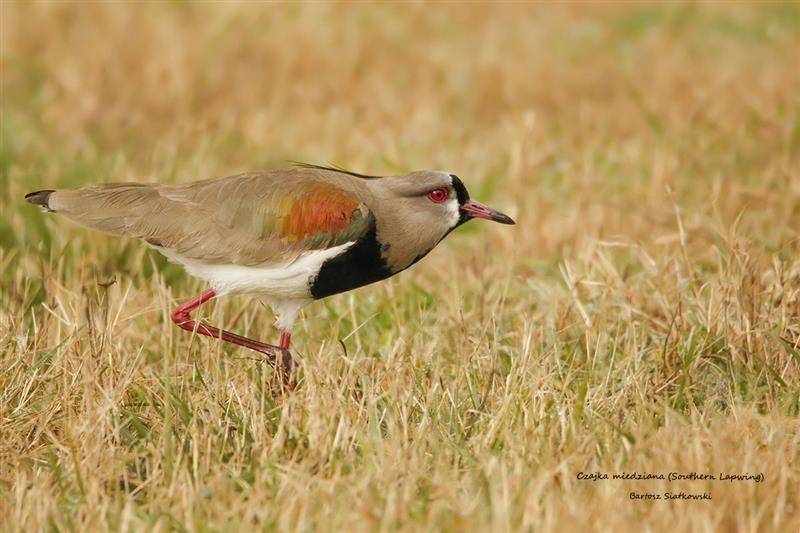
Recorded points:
40,198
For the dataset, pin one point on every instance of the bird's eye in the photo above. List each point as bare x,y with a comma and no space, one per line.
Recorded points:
438,195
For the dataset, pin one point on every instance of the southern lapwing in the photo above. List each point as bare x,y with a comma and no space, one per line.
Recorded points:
288,236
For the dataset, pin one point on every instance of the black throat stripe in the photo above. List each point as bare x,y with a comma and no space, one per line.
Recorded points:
359,265
461,191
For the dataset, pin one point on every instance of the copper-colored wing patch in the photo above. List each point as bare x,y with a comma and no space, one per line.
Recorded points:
320,210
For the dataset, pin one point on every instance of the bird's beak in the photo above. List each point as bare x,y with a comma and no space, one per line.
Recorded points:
478,210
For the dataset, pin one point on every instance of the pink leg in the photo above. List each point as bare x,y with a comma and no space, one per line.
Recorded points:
180,315
286,337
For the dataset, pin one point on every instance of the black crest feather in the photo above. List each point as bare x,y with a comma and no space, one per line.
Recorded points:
335,168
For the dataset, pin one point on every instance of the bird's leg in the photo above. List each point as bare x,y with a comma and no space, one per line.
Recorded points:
180,315
286,338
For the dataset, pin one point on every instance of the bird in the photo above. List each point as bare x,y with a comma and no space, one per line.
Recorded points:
289,236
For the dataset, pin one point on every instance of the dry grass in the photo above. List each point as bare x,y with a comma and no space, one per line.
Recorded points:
644,314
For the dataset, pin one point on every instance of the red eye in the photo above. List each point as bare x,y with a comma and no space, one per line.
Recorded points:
438,195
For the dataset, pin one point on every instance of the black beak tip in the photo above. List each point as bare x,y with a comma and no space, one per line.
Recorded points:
504,219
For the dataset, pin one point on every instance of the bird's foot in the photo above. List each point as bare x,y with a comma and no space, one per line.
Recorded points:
283,378
284,369
280,359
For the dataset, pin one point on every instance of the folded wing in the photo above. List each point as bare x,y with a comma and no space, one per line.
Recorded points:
250,219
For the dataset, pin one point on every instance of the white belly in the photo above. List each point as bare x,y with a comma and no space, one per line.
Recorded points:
288,281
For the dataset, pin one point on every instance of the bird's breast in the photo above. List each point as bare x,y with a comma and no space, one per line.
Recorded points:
360,264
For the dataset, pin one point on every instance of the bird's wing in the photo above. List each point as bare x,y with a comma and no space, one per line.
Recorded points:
249,219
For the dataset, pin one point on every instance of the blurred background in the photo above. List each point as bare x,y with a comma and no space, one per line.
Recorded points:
569,113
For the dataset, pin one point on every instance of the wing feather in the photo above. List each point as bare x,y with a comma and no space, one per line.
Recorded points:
249,219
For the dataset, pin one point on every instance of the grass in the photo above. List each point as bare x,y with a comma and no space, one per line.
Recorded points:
643,316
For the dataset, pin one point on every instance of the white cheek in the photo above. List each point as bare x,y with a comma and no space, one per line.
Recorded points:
453,212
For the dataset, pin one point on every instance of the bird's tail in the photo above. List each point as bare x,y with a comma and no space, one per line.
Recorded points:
40,198
108,208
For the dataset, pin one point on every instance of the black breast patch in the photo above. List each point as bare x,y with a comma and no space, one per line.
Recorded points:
359,265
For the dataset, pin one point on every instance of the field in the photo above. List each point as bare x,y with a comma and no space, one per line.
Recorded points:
642,317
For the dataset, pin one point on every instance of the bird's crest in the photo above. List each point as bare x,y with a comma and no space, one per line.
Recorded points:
335,168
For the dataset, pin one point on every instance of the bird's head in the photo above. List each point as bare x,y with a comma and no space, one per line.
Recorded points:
419,209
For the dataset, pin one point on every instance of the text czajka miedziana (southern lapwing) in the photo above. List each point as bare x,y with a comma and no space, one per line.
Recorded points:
287,236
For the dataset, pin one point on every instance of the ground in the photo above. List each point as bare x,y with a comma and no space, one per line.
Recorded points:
642,317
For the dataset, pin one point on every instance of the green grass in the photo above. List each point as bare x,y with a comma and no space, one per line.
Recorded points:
642,316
